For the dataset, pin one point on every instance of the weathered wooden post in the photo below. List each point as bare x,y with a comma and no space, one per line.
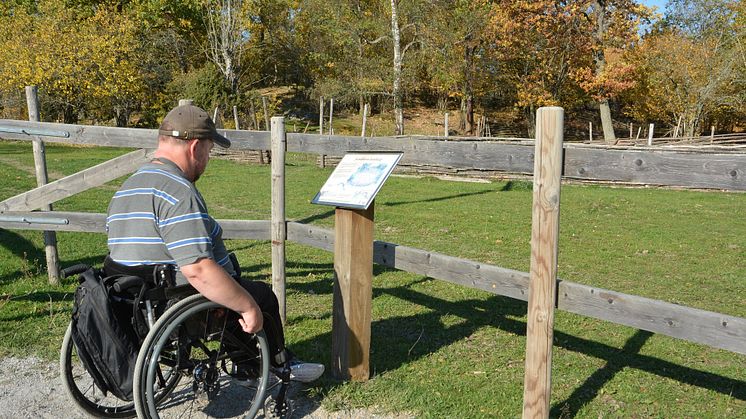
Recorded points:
235,117
321,115
331,112
266,113
278,227
321,127
445,122
40,165
353,292
650,134
365,120
543,271
252,111
183,102
590,131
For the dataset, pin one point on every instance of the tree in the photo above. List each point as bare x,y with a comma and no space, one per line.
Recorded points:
226,21
613,25
690,70
458,59
538,42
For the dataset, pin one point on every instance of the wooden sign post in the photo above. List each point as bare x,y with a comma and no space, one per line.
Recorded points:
543,273
353,292
352,188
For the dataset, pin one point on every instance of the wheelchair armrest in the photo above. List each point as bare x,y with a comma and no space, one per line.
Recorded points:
126,282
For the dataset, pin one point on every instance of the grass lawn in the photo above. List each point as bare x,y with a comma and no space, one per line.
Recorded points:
438,349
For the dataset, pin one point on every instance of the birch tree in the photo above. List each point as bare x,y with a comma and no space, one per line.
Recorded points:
226,36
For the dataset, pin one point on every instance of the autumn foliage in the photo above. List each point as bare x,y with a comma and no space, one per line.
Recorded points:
124,62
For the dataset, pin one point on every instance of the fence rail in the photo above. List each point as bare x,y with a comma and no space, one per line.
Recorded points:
691,324
653,166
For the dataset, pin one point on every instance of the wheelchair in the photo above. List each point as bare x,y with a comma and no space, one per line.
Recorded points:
194,360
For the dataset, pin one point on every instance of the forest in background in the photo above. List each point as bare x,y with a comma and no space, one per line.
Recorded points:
126,62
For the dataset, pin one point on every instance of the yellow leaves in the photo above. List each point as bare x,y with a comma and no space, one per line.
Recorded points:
78,59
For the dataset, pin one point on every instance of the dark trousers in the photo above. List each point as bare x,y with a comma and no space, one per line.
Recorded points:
267,301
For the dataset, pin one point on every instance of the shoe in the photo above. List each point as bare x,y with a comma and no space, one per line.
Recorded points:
305,372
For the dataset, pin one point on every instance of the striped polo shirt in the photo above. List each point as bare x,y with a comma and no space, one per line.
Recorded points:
159,217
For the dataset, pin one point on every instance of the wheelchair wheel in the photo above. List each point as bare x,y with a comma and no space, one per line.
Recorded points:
79,385
224,371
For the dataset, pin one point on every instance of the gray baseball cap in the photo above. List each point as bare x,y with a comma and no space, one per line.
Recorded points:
189,121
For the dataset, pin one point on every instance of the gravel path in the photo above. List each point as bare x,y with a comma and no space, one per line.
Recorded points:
31,388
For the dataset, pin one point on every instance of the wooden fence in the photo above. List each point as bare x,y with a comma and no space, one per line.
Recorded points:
712,169
718,170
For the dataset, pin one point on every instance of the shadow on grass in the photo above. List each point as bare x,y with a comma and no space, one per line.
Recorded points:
316,217
440,198
393,348
24,250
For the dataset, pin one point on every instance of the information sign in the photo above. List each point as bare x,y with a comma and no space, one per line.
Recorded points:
357,179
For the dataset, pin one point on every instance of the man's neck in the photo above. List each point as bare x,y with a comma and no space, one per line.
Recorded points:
177,159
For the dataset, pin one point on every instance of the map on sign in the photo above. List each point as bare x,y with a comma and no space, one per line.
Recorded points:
357,179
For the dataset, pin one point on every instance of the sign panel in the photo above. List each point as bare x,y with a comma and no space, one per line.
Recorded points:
357,179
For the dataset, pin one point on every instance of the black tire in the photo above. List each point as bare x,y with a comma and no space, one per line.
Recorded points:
191,337
79,385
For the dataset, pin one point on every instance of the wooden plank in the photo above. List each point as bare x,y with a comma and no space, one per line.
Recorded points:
704,327
537,388
76,183
458,154
96,223
87,134
660,167
73,221
278,229
353,293
698,170
490,278
691,324
493,279
245,229
310,235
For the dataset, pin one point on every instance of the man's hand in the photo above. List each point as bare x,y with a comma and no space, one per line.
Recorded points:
251,321
211,280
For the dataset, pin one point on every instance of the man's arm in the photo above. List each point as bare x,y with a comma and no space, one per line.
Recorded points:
212,281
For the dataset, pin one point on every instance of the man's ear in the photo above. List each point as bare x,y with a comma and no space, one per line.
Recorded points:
193,144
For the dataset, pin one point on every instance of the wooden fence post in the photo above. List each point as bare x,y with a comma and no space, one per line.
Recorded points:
543,273
321,127
321,115
650,134
40,165
353,292
278,227
235,117
445,122
266,113
331,111
365,120
255,123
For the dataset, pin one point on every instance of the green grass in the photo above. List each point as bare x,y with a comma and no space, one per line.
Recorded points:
438,349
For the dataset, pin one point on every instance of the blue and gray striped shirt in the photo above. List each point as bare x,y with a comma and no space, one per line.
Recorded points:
159,217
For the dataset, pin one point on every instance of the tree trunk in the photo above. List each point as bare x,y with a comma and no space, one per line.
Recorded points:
600,60
606,122
469,85
530,114
462,115
398,107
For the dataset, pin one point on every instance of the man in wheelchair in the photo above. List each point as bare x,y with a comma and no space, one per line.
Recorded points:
158,217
